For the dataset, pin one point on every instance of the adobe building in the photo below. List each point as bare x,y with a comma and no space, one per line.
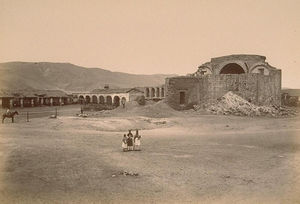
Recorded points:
108,96
290,97
248,76
32,98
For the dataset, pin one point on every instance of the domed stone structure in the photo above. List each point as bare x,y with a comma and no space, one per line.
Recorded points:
249,76
236,64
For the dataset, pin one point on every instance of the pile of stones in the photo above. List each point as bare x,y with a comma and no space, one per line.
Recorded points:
232,104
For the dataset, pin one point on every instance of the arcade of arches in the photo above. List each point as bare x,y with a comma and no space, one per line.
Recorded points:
154,92
109,100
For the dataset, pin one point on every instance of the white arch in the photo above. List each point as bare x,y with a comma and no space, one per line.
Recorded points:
256,68
94,99
157,92
152,92
147,92
116,100
101,99
162,92
109,99
88,99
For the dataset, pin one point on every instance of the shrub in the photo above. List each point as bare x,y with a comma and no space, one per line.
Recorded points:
141,100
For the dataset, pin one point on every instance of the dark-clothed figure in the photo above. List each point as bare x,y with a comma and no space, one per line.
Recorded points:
129,134
124,143
130,142
123,102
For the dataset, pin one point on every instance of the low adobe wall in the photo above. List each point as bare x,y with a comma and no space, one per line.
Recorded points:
257,88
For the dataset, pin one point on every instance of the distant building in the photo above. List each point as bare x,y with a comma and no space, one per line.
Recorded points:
290,97
108,96
31,98
154,93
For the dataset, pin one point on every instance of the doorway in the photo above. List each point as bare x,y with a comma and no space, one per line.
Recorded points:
181,97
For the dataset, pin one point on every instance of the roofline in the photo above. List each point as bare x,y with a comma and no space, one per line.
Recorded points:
242,55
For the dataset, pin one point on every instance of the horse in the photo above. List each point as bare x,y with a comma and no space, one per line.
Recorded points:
9,115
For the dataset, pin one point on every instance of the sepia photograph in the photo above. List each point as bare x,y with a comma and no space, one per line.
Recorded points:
149,101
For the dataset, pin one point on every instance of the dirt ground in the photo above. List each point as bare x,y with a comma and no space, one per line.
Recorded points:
185,158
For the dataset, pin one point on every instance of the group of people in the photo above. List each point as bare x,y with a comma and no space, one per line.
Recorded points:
130,142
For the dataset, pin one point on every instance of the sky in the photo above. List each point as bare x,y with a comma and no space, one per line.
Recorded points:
151,36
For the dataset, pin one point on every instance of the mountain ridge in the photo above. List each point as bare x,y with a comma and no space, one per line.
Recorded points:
69,77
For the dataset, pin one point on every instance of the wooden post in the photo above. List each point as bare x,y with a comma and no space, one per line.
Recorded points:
22,102
27,116
10,103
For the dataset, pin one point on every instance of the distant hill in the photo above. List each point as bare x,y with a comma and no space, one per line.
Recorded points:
69,77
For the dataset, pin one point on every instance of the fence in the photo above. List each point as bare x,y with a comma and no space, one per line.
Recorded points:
27,115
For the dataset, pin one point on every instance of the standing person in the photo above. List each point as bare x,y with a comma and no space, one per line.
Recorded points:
129,134
137,141
130,142
124,143
123,102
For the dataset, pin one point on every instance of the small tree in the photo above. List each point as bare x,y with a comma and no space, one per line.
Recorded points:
141,100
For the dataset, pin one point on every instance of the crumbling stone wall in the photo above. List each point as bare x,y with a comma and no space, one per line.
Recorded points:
248,63
257,88
245,61
176,85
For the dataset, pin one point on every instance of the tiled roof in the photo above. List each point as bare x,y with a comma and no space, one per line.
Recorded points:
32,93
113,91
5,93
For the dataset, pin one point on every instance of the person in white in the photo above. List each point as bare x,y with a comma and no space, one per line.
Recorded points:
137,141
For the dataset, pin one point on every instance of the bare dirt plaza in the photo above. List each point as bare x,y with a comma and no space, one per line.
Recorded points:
150,102
186,157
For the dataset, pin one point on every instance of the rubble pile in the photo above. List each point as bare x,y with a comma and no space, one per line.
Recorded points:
232,104
126,173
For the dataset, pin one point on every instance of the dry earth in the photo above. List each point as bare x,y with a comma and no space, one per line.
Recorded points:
185,158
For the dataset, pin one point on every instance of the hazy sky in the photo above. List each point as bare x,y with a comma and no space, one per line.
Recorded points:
146,36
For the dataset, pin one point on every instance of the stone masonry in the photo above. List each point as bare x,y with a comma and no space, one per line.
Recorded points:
248,76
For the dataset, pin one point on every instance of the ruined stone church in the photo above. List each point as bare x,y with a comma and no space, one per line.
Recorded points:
248,76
